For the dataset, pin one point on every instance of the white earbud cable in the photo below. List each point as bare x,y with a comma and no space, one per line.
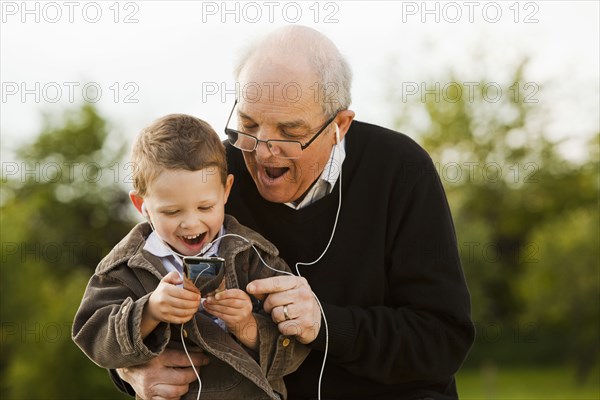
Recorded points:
337,214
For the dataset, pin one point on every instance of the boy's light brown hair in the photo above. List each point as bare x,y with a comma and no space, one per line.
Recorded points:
176,141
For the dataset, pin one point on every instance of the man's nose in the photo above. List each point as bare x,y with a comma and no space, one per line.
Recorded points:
262,151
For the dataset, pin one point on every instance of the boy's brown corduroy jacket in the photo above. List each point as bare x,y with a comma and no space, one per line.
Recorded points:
107,324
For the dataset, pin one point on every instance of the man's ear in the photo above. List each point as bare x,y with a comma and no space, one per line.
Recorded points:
343,120
228,185
137,201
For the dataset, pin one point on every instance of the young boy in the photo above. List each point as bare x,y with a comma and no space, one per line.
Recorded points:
137,295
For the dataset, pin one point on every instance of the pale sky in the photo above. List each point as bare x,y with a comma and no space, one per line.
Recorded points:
150,58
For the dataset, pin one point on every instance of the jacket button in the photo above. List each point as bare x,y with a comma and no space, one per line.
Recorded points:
184,333
285,342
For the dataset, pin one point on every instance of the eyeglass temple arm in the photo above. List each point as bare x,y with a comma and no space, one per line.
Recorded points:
318,133
230,114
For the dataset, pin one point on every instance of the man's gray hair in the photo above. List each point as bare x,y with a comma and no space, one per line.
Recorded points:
332,70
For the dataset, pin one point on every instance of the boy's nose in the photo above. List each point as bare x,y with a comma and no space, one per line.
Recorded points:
190,222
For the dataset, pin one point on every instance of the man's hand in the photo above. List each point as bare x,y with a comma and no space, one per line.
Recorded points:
165,377
292,305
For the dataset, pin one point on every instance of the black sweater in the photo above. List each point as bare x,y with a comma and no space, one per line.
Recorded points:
391,283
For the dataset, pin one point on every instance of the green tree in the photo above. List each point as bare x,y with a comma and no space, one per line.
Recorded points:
62,208
562,290
505,182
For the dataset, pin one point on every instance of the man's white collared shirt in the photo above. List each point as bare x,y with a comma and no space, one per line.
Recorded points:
324,185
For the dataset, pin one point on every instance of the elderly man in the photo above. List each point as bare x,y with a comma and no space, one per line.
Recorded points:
364,207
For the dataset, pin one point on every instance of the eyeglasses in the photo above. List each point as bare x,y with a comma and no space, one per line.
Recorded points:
289,149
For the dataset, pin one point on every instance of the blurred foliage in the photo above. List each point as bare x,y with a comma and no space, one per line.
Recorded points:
525,383
526,219
59,216
563,289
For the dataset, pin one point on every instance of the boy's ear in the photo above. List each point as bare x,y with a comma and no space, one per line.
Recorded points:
228,185
137,201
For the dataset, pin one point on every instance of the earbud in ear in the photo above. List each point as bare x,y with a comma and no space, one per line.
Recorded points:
337,134
144,211
146,215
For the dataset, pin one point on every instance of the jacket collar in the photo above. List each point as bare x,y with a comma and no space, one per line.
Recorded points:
130,251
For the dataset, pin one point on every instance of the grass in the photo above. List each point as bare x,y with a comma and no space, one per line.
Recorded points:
495,383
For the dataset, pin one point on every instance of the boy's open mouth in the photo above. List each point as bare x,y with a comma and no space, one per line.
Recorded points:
194,239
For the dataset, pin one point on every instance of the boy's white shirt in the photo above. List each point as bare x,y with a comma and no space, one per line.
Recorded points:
172,262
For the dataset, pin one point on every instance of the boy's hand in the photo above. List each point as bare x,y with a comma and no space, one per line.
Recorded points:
173,304
234,307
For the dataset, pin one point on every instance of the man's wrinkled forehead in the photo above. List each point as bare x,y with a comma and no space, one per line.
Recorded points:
251,115
269,79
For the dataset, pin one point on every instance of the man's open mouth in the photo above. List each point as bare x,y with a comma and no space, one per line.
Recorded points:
275,172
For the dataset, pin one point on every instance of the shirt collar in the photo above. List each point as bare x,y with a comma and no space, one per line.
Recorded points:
155,245
328,178
331,172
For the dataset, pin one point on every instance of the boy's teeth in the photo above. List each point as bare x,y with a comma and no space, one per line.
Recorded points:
190,237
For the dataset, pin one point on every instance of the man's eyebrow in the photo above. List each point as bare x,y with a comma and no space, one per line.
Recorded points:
282,125
294,124
245,116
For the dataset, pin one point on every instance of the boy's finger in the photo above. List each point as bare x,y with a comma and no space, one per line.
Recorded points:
221,310
189,285
178,293
173,278
231,294
183,304
235,304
